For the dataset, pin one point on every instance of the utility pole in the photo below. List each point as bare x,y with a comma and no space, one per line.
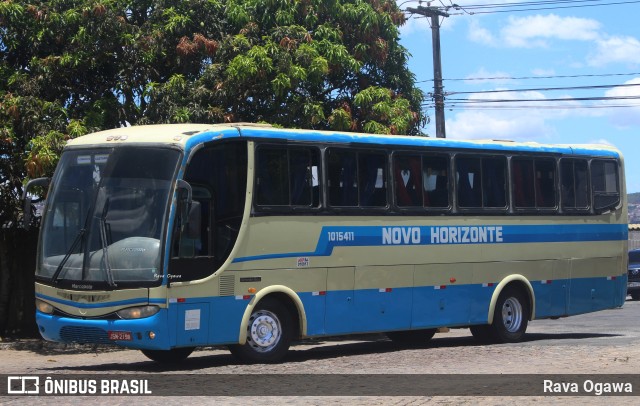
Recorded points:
438,90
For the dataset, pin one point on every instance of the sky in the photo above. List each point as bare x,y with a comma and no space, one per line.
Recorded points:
565,44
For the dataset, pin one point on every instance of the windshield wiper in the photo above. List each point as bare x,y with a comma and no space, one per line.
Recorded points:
76,241
105,244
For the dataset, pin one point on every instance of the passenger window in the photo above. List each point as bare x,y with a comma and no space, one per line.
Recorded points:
533,183
468,182
523,183
605,184
407,172
435,181
545,183
356,178
574,184
481,182
287,177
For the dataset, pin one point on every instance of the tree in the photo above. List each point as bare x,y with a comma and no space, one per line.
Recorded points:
68,67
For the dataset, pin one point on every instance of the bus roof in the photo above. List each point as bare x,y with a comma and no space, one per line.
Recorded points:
188,135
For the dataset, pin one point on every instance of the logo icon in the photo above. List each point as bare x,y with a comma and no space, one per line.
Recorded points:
23,385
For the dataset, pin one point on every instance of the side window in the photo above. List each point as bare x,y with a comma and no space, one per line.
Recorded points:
605,184
343,178
468,182
356,179
481,182
435,175
372,183
272,177
494,185
574,184
523,183
287,176
533,183
545,183
407,176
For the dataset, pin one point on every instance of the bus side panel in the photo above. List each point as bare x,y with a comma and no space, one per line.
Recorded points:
382,297
589,290
437,306
443,294
225,318
381,309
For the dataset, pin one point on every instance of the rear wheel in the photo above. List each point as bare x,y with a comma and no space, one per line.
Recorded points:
510,319
411,337
269,333
635,295
172,356
511,316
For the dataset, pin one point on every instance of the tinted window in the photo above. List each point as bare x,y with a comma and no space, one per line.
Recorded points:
287,176
605,184
574,184
533,183
481,182
356,178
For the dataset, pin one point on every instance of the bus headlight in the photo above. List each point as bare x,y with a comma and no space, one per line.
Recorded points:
138,312
44,307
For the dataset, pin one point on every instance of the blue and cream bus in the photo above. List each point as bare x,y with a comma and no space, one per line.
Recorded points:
164,238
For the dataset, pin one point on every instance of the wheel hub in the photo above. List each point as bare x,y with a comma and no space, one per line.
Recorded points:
512,314
264,331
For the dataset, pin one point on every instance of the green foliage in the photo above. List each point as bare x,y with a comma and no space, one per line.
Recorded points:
68,67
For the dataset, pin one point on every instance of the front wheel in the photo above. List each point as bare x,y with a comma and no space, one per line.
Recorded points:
269,333
172,356
635,295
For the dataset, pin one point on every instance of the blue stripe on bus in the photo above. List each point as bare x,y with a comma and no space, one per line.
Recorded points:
420,307
373,236
399,141
350,311
99,304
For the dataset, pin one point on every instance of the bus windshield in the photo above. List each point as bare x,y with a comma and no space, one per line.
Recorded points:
105,217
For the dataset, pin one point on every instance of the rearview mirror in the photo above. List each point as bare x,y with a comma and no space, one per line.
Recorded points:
27,201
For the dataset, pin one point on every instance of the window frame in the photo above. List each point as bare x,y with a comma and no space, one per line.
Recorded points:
288,208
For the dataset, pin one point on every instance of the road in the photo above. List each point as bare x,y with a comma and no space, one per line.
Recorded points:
606,342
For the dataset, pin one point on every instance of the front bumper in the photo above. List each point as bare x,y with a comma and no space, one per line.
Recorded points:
96,331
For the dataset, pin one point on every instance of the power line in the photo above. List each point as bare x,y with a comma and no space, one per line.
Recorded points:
561,99
553,8
517,7
545,89
537,77
535,107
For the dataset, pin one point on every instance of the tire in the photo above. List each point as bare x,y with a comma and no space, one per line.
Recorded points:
269,334
411,337
635,295
172,356
510,319
511,316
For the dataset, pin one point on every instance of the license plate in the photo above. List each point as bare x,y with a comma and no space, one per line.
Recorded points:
633,284
120,335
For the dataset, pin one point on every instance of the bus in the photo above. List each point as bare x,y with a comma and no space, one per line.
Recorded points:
164,238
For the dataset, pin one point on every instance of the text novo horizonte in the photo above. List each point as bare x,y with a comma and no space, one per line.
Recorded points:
443,235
